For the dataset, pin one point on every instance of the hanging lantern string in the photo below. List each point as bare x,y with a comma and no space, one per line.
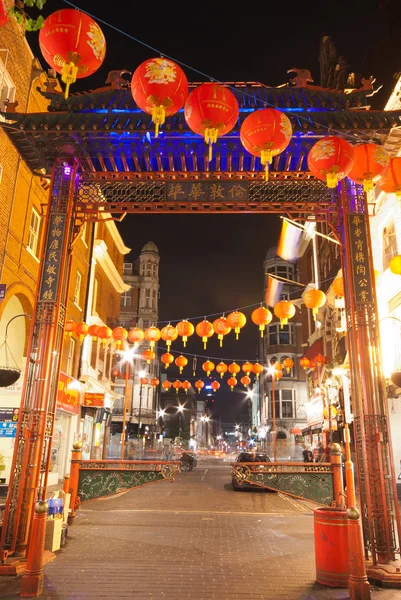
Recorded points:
331,130
207,356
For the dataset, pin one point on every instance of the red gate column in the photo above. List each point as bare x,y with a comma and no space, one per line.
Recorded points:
379,506
28,479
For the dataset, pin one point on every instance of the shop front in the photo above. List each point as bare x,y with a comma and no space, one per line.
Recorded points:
95,425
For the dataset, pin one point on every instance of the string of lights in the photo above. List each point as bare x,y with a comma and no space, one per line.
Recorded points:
330,130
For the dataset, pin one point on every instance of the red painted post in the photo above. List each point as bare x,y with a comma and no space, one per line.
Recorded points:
32,580
66,484
74,479
335,458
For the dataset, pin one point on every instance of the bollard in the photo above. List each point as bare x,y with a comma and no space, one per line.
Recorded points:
66,483
335,458
32,580
74,479
358,584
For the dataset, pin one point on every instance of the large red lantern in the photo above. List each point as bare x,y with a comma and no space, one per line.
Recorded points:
181,362
167,359
232,382
70,327
211,110
370,163
104,334
166,385
247,367
73,44
208,366
331,159
136,336
169,334
185,330
155,382
284,310
314,299
222,328
215,385
205,330
199,385
5,11
82,330
261,316
236,321
152,335
338,286
119,335
177,385
266,133
221,368
93,331
234,368
257,369
148,355
144,381
245,380
390,182
304,362
159,87
186,386
288,363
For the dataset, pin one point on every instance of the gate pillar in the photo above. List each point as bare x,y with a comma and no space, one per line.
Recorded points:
374,457
31,458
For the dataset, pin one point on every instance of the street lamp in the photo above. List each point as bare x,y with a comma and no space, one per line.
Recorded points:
180,410
143,381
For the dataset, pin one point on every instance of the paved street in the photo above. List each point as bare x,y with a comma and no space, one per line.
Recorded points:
195,538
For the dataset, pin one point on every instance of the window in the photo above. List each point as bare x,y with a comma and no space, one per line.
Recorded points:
70,359
147,298
154,270
77,293
7,88
126,299
34,227
390,248
95,294
287,404
154,299
84,233
281,336
146,324
291,373
127,268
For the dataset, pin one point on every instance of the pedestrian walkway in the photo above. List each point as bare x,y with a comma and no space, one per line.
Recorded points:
194,539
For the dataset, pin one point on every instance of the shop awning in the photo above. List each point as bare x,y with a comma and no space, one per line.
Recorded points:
296,431
315,349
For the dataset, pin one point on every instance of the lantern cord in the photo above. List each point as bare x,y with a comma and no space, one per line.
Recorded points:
343,134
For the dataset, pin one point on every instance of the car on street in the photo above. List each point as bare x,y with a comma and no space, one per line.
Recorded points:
247,457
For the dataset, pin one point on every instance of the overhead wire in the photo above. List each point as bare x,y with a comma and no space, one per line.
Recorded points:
212,79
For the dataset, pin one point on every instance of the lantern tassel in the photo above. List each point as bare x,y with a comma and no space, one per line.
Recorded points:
204,340
368,185
184,339
68,76
221,339
158,117
211,134
332,180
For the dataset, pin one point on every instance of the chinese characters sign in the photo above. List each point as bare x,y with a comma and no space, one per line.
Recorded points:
93,399
357,227
54,249
68,394
207,191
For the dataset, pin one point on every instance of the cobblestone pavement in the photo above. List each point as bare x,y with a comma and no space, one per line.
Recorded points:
195,538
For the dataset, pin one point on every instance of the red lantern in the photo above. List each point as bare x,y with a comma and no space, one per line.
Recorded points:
314,299
155,382
144,381
177,385
266,133
186,386
222,328
169,334
247,367
288,363
208,366
338,286
221,368
321,360
73,44
331,159
390,182
261,316
181,362
152,335
148,355
205,330
166,385
104,334
370,163
159,87
167,359
304,362
93,331
136,336
234,368
211,110
284,310
5,11
199,385
278,373
312,365
185,330
236,321
245,380
257,369
215,385
70,327
232,382
115,373
119,335
82,330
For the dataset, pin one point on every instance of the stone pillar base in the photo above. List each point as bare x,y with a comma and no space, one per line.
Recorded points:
388,576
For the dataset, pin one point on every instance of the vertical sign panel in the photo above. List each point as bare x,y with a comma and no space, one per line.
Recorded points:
363,286
54,250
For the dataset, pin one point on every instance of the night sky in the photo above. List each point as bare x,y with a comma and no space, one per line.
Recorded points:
214,263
